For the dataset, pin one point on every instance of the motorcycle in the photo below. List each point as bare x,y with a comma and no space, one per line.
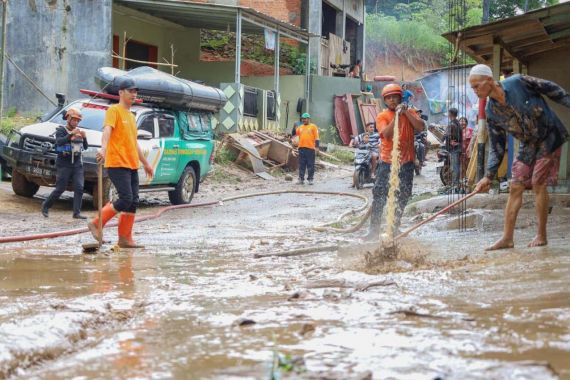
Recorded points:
362,167
443,166
420,146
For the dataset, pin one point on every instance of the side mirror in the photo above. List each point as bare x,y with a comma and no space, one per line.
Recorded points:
143,135
60,99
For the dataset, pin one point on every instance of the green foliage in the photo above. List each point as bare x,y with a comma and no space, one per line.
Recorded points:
222,44
507,8
11,112
14,121
224,156
329,135
345,156
407,37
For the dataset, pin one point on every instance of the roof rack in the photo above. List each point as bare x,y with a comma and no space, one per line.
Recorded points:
104,95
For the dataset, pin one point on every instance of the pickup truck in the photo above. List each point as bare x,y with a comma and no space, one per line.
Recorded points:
178,144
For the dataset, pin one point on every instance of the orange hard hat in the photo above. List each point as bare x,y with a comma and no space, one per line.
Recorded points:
73,112
391,89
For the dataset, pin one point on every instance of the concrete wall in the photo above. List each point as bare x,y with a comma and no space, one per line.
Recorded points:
554,66
323,90
58,46
291,88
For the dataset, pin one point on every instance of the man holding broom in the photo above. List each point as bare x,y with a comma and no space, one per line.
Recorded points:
122,153
516,106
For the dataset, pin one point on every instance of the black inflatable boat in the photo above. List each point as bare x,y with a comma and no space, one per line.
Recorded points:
163,89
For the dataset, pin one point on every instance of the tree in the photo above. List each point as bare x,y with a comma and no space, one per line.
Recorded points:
501,9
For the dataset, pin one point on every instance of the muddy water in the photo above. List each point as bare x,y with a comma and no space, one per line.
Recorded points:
173,309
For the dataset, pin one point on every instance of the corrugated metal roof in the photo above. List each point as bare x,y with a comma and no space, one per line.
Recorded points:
213,16
521,37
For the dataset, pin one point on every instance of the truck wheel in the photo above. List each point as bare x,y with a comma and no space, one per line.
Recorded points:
184,188
109,193
22,186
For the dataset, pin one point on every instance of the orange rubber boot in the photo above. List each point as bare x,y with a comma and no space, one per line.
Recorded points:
107,213
126,222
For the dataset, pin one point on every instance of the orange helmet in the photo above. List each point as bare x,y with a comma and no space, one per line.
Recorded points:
73,112
391,89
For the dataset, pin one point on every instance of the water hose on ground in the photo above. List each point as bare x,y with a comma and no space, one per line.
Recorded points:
56,234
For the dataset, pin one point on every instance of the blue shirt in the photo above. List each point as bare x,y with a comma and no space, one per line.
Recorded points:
527,117
407,95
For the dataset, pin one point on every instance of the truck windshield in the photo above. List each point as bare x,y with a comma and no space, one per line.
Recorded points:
93,115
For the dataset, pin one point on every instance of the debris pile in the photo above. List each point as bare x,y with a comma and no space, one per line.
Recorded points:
261,151
265,151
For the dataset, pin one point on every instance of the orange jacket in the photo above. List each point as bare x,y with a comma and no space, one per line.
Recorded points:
308,135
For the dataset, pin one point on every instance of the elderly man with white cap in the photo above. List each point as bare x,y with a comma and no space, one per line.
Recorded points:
516,106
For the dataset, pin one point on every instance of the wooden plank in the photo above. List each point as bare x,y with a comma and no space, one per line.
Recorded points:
560,35
351,115
497,60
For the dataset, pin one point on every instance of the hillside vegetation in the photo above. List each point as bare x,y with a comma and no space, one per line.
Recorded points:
404,38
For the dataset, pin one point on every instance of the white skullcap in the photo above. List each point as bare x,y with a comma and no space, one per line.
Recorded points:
482,70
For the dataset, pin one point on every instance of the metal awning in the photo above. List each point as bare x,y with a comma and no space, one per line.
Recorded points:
521,37
214,17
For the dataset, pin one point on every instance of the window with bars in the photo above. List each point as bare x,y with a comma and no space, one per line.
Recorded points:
250,102
271,111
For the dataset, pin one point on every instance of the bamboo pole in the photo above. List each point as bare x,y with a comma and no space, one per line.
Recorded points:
147,62
124,55
172,59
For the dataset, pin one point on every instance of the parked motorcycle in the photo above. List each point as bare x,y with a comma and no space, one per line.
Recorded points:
420,146
362,168
443,167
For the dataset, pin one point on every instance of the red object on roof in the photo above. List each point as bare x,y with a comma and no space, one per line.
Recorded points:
384,78
103,95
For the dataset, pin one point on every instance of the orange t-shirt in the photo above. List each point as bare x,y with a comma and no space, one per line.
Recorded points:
308,134
122,147
406,137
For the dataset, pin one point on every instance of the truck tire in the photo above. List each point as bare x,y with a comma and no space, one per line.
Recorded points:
185,188
22,186
109,193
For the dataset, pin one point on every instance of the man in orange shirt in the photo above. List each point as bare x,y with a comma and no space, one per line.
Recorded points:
122,153
409,123
308,147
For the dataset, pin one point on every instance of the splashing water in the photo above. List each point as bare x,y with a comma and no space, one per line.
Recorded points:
394,182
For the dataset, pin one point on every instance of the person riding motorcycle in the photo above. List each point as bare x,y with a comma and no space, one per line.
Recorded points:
374,141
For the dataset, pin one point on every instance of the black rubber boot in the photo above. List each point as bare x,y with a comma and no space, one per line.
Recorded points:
45,208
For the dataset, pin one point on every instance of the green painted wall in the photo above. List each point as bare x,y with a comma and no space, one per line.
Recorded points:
323,90
291,88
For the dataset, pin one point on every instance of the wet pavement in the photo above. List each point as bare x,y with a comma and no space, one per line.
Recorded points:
195,303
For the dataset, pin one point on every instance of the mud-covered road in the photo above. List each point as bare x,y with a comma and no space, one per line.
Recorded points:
197,304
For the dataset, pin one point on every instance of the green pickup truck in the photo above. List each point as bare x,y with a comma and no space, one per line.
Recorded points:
178,144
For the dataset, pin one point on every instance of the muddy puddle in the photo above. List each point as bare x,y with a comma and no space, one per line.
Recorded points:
196,304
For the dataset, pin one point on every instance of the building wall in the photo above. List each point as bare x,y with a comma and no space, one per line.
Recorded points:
554,66
291,88
284,10
57,46
353,8
321,106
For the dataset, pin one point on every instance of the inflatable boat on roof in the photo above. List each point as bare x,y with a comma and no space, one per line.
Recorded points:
163,89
